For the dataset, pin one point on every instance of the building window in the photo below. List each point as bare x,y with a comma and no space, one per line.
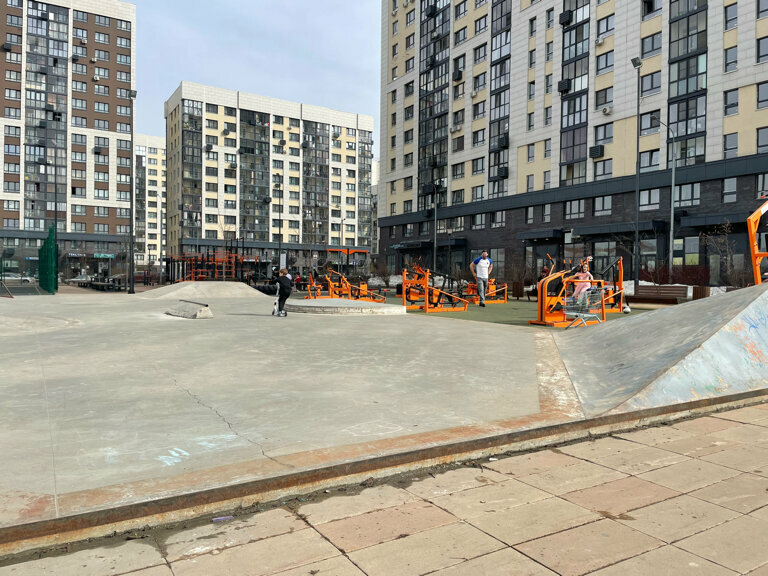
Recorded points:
410,40
460,36
478,166
531,120
602,206
605,64
477,221
532,27
604,133
481,24
762,49
550,51
651,8
531,58
548,148
480,53
531,152
687,195
460,10
762,140
478,82
604,97
457,197
410,17
649,122
457,171
649,199
478,137
574,209
529,185
529,215
731,98
651,45
531,90
605,26
458,144
603,169
546,213
548,116
729,190
762,186
478,192
731,145
731,16
731,58
478,110
547,180
649,160
650,83
498,219
550,18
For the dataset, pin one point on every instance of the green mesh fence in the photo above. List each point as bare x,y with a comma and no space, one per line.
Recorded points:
49,263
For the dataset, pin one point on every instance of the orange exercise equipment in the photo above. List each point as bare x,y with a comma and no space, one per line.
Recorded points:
753,222
336,285
419,295
496,293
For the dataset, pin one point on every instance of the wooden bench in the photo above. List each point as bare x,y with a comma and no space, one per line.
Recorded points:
664,294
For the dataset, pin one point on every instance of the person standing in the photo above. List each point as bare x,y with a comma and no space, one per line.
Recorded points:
481,269
283,290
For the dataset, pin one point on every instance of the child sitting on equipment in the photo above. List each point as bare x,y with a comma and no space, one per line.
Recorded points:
583,282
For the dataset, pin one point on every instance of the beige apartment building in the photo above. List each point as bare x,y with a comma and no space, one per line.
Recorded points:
268,176
150,202
68,84
513,126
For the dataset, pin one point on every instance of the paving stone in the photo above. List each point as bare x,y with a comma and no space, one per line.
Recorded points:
744,493
337,566
267,556
576,477
742,457
704,425
745,433
656,435
368,500
677,518
492,498
532,463
425,552
102,561
741,544
639,460
760,514
164,570
506,562
665,561
748,414
697,446
762,571
363,530
529,521
689,475
589,449
620,496
586,548
454,481
218,536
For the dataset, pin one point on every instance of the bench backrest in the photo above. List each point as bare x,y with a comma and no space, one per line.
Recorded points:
670,291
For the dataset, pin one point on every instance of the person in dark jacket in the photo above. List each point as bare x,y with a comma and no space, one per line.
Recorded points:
283,289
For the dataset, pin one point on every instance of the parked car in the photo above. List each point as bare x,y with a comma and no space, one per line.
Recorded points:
77,279
16,278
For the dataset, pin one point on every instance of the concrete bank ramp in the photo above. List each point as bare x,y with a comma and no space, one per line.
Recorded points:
703,349
198,291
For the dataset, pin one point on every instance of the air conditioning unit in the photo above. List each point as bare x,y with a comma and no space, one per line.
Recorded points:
208,147
305,144
94,60
405,4
7,46
503,141
599,41
233,164
453,129
282,142
226,132
503,172
457,75
473,94
75,58
607,110
96,78
431,11
394,12
97,150
597,151
564,85
83,41
565,17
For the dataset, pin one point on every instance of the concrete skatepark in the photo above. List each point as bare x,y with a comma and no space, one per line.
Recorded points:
114,411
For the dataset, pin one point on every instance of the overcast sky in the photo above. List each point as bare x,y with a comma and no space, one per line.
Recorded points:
321,52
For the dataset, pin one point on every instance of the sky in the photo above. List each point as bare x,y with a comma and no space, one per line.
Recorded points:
320,52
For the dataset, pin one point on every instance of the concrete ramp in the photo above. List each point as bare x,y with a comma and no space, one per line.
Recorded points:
703,349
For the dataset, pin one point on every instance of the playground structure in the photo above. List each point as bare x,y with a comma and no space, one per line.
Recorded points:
419,295
336,285
557,307
496,293
753,222
207,266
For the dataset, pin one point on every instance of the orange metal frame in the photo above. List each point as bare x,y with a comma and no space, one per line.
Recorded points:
419,295
336,285
496,294
753,222
551,307
216,266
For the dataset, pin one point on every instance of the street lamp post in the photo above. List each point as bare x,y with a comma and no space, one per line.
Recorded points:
434,246
131,289
637,63
277,193
671,197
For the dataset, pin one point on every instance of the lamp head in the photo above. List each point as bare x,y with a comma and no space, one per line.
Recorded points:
636,62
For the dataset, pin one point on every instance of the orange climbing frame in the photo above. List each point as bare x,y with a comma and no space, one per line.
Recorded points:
753,222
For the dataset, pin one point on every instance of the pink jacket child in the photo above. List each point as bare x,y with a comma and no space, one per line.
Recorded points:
583,281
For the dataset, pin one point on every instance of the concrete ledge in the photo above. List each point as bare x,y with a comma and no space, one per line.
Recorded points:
342,306
161,511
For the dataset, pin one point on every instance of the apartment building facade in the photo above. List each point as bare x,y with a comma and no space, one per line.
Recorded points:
149,202
521,120
68,84
270,175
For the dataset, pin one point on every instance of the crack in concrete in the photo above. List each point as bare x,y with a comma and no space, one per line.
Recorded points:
228,423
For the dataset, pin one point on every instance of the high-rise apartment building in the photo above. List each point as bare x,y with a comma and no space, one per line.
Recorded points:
521,120
67,124
273,175
150,201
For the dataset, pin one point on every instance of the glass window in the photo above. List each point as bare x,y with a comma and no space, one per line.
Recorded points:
650,83
731,145
602,206
603,169
731,98
649,160
574,209
731,57
762,49
605,64
604,133
651,45
762,140
731,16
687,195
605,26
649,199
729,190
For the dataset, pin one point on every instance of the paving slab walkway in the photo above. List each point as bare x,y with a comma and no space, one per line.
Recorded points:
683,499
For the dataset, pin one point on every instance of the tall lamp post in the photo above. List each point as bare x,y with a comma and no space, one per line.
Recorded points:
671,196
277,193
131,289
434,246
637,63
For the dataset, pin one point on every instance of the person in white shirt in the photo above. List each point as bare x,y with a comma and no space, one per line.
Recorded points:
481,269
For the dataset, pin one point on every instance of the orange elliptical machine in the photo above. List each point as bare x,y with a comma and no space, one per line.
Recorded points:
753,222
336,285
557,307
419,295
